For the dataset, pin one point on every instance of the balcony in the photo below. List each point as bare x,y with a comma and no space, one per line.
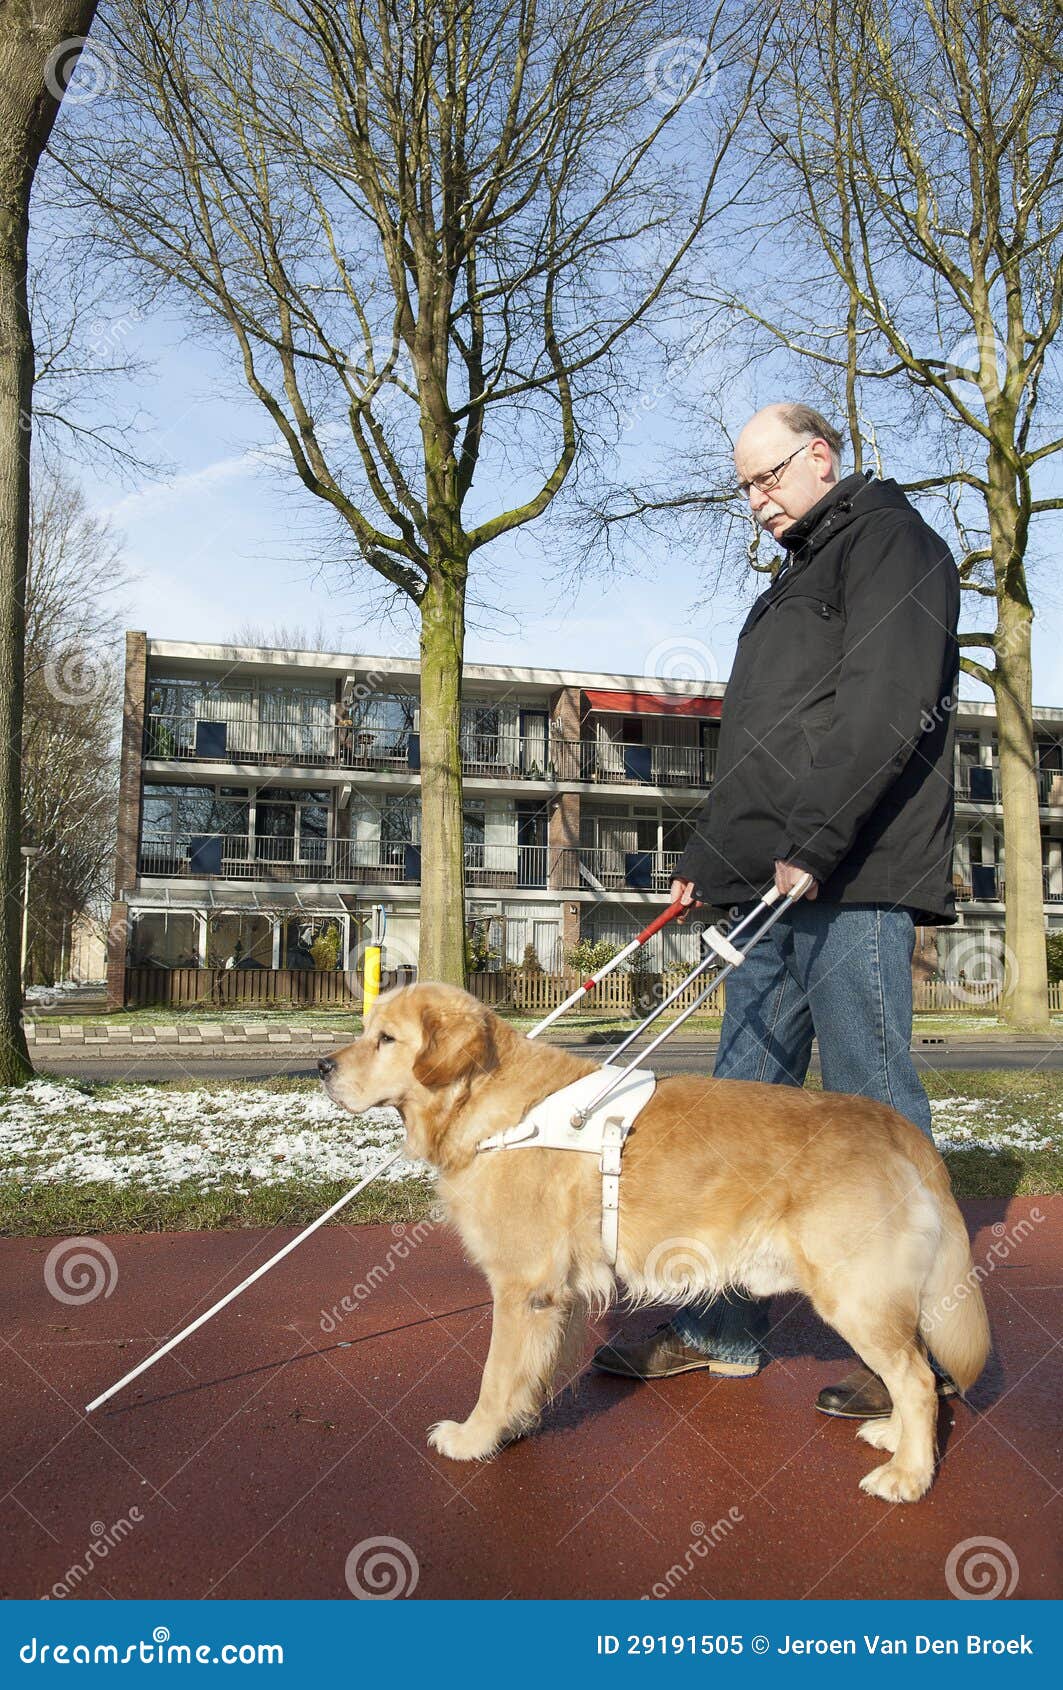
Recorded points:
627,763
347,861
982,786
491,756
616,870
988,887
1050,788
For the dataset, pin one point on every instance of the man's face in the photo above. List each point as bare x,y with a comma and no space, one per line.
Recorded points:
762,445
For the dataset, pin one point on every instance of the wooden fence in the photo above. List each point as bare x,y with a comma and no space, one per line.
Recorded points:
240,988
618,994
507,988
973,997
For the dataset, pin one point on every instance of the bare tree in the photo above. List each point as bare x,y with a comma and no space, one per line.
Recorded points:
284,637
905,264
431,234
925,147
39,46
73,692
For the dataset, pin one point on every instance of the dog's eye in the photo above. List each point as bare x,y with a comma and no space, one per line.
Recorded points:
385,1039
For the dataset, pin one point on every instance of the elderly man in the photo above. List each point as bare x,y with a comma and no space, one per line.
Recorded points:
835,759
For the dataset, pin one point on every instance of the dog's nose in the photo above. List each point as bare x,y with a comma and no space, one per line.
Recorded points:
326,1066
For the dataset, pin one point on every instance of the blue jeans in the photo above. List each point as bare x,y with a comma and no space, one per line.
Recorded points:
839,973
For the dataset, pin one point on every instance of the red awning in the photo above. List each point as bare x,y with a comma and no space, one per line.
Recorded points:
653,704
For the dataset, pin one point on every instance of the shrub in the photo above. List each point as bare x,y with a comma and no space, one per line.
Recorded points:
587,956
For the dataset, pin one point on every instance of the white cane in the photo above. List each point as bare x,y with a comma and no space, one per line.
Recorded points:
201,1320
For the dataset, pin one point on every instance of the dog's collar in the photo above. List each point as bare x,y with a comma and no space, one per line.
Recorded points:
548,1126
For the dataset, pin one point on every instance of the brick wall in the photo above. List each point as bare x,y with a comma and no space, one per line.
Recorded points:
130,787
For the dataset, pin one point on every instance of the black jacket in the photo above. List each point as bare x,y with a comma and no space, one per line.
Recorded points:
836,743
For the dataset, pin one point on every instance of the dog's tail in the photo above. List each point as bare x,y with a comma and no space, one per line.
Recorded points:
952,1317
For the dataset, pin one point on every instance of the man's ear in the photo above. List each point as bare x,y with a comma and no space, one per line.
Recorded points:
455,1046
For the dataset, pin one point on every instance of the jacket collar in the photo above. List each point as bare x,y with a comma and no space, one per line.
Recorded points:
811,529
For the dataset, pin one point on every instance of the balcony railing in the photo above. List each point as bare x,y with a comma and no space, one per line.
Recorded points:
500,756
982,786
615,869
398,862
354,861
627,763
235,856
1050,788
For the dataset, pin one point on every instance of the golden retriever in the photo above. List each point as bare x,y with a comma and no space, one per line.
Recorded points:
725,1182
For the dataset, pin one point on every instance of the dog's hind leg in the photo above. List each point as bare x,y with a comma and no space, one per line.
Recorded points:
885,1338
528,1335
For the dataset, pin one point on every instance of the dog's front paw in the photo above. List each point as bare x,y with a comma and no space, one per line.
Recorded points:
461,1442
880,1434
896,1484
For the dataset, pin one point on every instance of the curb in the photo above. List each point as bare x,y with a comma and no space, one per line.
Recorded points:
266,1040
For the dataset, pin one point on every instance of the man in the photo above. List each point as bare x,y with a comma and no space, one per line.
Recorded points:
835,759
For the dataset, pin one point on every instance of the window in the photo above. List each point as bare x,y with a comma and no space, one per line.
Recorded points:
400,825
172,813
297,722
236,940
292,824
311,942
383,725
163,940
175,704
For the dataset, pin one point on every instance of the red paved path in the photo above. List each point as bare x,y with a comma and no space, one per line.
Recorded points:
262,1452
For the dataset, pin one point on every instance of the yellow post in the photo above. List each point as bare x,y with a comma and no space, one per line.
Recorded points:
370,978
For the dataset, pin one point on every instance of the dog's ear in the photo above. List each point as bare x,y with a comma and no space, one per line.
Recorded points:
455,1045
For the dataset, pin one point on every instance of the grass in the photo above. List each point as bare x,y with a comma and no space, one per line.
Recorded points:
93,1208
996,1122
348,1021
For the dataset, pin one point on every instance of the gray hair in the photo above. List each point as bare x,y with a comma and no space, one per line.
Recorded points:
806,423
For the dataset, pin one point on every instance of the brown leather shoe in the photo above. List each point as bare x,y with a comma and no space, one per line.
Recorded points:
861,1395
661,1355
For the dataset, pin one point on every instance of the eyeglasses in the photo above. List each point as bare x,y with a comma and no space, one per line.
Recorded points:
769,478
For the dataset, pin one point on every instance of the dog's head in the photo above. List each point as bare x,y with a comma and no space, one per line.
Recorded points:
422,1049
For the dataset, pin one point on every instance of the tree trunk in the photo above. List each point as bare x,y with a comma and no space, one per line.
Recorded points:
1024,1004
442,945
39,45
16,398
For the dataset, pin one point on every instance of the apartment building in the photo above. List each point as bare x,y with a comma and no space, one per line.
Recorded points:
269,799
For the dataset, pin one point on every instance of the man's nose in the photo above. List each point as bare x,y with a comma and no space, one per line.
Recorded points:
326,1066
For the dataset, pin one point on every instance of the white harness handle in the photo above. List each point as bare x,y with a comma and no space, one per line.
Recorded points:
548,1125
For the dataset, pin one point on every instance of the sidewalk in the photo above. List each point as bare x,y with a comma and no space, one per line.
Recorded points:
101,1040
257,1457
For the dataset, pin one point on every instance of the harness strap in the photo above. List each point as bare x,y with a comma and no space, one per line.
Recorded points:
613,1134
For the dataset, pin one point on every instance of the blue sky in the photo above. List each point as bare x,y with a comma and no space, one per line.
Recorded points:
228,538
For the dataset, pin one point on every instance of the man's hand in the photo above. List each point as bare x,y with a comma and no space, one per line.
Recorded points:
682,892
787,876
